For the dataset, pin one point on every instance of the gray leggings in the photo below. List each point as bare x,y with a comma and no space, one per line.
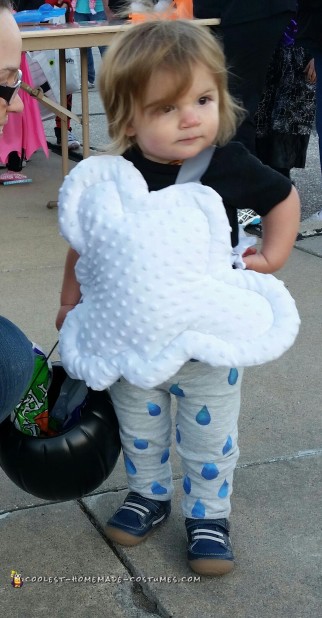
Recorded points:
208,402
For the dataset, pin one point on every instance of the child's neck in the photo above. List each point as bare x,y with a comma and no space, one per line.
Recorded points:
172,162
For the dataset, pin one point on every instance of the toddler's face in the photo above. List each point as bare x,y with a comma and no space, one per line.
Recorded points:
179,129
10,52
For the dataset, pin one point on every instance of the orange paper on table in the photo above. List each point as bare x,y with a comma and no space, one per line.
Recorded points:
181,9
184,9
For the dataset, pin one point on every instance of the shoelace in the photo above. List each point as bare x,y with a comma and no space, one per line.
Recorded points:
136,508
207,533
140,510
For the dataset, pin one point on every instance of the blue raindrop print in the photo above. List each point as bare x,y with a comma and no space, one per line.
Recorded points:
198,510
187,484
153,409
228,446
223,491
203,417
165,456
209,471
140,443
178,434
233,377
176,390
129,465
157,489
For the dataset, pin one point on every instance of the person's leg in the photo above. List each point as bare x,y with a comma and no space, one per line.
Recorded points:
91,67
73,143
100,16
248,49
16,366
79,17
145,432
318,68
208,410
15,161
317,216
207,438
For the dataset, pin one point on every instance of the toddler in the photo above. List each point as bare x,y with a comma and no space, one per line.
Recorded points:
162,311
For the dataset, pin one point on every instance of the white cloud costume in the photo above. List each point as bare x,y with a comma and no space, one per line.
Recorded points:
157,284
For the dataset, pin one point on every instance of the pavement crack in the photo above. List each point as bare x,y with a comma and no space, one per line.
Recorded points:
143,597
281,458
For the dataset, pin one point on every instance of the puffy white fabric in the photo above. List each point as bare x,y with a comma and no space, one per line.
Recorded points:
157,283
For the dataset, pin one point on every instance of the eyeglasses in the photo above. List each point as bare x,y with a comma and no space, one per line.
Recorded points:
8,93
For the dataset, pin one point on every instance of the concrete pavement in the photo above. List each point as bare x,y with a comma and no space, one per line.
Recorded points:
277,501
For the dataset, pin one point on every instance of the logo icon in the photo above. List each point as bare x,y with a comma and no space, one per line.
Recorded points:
16,579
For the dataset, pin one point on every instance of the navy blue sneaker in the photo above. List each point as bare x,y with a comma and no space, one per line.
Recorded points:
209,547
134,521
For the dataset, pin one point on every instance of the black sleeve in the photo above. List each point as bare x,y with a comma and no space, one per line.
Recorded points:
244,182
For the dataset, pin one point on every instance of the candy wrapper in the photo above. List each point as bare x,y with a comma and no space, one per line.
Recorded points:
31,415
53,403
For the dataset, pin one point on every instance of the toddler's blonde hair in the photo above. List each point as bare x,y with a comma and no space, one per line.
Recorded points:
176,46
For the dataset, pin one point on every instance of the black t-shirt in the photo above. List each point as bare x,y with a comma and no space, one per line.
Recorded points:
241,180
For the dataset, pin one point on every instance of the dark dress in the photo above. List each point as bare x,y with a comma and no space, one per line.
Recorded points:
286,111
250,30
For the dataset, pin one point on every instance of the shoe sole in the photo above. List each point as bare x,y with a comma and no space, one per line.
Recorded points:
124,538
127,539
211,566
70,146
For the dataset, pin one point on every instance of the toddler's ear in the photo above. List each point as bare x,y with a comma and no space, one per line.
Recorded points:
129,130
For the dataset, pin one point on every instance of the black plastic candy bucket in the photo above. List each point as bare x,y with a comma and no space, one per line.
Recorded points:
68,465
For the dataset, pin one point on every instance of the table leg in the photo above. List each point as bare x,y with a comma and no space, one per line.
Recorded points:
85,106
85,110
63,102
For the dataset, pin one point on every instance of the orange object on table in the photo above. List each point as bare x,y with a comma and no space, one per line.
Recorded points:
184,9
181,9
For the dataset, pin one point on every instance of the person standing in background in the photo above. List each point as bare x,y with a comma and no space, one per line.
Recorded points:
250,32
23,134
91,10
286,111
310,34
72,141
31,5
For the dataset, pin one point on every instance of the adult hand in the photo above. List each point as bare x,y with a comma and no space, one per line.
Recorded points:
310,72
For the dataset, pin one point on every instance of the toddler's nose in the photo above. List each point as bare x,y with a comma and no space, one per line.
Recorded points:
189,118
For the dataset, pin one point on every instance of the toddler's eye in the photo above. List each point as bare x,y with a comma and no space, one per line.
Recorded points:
204,100
167,108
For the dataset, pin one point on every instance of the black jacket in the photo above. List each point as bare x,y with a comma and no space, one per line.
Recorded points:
240,11
310,24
